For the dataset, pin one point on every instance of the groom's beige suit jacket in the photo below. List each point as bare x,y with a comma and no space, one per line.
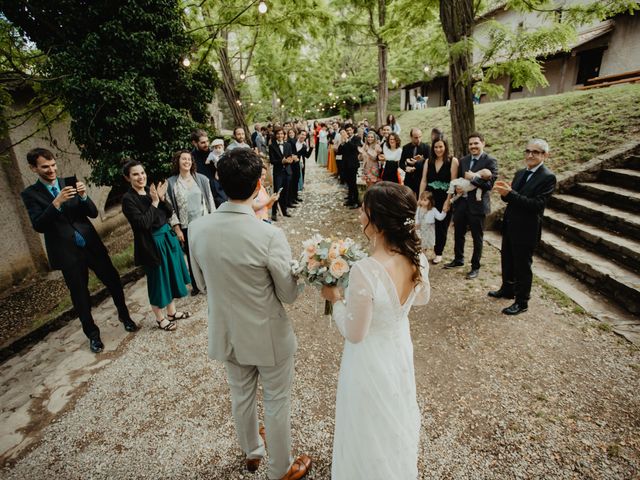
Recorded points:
245,264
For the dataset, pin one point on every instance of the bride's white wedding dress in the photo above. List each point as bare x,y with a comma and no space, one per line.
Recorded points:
377,418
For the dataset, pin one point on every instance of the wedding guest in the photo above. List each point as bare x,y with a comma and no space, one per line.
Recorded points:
390,159
189,195
340,138
469,212
322,157
301,152
384,135
414,154
263,201
200,153
248,277
377,425
395,126
254,135
349,151
441,167
238,139
436,133
369,156
155,246
217,150
281,157
526,198
61,211
426,217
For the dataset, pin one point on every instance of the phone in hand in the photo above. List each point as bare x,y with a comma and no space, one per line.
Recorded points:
70,181
280,190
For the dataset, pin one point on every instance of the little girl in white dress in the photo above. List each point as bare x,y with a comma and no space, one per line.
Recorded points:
426,216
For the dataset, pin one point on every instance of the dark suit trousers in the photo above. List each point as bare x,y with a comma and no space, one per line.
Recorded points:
351,177
77,280
442,228
462,220
185,232
295,180
281,180
516,262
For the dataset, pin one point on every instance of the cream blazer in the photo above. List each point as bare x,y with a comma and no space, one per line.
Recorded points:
245,264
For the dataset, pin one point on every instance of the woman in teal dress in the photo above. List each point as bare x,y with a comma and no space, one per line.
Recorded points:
156,247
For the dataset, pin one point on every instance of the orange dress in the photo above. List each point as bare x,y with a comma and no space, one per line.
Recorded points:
332,166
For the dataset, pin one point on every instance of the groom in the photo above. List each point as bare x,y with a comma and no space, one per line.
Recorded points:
246,266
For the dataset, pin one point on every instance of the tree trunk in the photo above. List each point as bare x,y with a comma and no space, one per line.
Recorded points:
229,89
383,49
456,17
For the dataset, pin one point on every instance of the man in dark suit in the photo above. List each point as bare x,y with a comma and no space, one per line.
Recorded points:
62,213
414,154
281,157
526,199
350,164
468,212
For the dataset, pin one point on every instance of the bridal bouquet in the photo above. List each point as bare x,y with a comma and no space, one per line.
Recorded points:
325,261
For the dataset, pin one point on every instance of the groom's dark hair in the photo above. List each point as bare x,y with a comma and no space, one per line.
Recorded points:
239,171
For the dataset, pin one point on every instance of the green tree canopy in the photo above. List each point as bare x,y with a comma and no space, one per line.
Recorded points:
117,67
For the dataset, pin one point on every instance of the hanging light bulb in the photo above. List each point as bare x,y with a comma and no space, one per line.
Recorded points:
394,81
186,62
262,7
278,100
426,69
242,76
343,75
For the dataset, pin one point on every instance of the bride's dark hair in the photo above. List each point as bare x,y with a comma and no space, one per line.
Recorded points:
391,208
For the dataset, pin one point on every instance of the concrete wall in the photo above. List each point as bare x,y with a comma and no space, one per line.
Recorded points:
23,251
623,54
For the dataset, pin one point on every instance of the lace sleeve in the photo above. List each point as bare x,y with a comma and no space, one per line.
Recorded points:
353,317
423,289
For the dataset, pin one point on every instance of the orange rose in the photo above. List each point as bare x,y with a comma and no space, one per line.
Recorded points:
338,267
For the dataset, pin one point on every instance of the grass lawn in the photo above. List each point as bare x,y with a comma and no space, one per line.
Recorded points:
577,125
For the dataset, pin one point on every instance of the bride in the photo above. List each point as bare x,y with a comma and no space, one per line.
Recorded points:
377,418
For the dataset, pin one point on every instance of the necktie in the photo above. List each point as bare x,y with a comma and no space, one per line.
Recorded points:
415,151
523,180
472,163
77,238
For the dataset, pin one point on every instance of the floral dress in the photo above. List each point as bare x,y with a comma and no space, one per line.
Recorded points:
370,169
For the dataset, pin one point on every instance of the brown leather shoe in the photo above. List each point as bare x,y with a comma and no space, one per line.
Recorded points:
254,463
299,469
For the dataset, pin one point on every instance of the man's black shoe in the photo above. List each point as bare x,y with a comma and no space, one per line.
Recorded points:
291,205
515,309
473,273
346,203
454,264
354,206
500,294
129,325
274,218
286,214
96,345
194,292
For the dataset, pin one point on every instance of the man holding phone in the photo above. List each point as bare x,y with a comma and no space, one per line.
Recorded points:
60,209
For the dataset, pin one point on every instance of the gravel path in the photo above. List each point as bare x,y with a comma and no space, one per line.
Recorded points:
546,394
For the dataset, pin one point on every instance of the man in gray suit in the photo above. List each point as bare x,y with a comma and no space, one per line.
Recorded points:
246,266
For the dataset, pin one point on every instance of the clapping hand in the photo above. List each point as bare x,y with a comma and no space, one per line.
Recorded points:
153,193
410,169
502,187
161,188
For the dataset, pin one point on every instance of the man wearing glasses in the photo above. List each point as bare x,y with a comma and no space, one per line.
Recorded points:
526,198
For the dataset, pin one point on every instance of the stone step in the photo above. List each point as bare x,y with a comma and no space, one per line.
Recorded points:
624,251
633,162
598,272
622,177
595,213
611,195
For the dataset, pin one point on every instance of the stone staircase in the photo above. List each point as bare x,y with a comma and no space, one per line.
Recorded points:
591,228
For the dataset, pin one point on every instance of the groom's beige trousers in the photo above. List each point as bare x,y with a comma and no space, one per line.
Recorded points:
276,389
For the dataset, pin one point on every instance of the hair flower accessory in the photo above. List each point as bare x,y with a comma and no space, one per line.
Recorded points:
409,222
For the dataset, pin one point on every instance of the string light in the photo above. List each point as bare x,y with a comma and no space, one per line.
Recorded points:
242,76
186,62
426,69
262,7
343,75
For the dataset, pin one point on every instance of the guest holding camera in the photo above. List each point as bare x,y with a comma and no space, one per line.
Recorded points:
155,245
189,194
